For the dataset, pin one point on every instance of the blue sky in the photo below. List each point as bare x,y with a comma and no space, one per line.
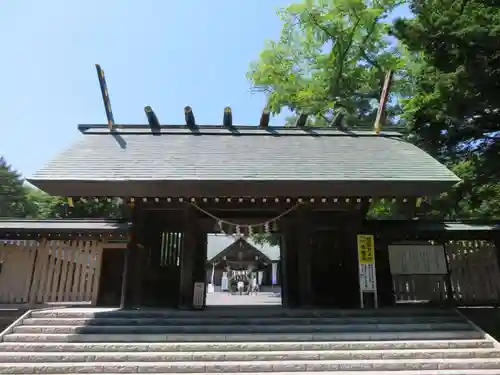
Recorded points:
163,53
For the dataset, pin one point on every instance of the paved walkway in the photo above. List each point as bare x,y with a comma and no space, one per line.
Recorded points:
224,298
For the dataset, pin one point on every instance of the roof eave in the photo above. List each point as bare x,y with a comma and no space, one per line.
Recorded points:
256,188
61,229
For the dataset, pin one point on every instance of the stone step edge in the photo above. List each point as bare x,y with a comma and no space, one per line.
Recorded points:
263,346
88,315
241,337
220,321
235,363
298,336
246,314
346,328
402,325
245,318
406,361
217,354
368,372
245,309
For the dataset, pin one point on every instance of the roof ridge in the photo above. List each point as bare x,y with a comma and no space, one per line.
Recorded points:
246,130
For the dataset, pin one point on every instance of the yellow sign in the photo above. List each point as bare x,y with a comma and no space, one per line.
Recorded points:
366,249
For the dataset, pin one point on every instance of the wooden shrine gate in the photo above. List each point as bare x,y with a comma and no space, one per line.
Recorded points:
37,272
471,274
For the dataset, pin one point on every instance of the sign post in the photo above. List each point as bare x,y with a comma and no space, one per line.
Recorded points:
367,274
274,273
198,295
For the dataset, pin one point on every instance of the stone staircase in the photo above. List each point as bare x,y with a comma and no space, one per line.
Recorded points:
384,341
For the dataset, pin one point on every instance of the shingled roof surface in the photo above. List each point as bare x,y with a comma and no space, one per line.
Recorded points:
241,154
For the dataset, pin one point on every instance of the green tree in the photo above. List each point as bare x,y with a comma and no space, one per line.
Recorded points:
454,112
468,200
266,238
13,201
330,61
48,207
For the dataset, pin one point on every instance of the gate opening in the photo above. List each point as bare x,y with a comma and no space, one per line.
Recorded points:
241,270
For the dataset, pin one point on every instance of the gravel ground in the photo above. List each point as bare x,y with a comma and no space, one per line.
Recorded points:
224,298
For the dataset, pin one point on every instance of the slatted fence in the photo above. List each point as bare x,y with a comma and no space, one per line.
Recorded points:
474,277
38,272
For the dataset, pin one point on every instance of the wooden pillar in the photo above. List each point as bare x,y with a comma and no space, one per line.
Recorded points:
124,300
200,259
140,260
128,276
138,257
302,229
496,242
155,228
289,274
351,227
283,271
187,261
385,284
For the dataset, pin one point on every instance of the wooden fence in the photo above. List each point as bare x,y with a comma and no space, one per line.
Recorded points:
474,277
36,272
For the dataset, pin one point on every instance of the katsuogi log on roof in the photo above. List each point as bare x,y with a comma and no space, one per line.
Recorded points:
241,161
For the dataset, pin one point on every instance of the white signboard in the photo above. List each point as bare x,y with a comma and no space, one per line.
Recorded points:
367,279
417,260
274,269
260,276
198,294
224,282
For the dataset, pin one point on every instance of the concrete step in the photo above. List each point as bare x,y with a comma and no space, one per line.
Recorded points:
97,321
195,347
314,355
407,372
235,312
110,341
227,329
251,366
249,337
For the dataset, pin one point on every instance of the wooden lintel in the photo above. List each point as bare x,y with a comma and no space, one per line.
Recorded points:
115,246
256,205
59,235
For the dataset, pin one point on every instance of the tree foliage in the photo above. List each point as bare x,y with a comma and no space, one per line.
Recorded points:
272,239
18,199
13,199
330,61
48,206
454,112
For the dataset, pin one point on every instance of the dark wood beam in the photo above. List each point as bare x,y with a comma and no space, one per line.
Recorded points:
153,121
227,119
105,97
383,102
264,118
253,204
189,117
301,120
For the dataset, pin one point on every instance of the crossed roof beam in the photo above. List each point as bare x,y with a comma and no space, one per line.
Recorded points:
227,118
